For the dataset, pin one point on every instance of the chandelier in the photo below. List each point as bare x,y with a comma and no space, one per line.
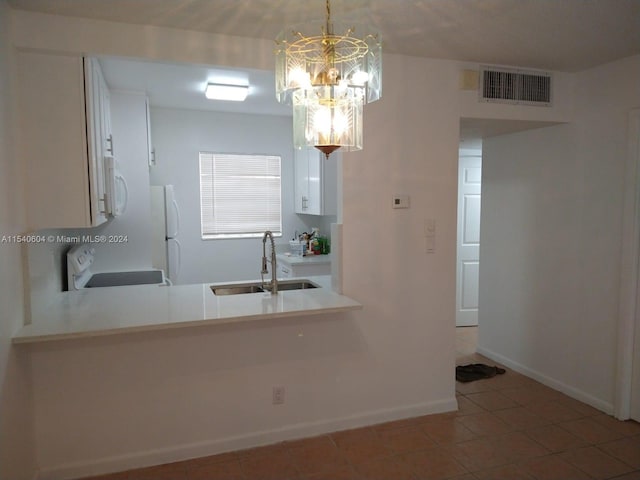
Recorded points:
328,78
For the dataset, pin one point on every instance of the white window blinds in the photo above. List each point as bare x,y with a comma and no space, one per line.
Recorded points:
240,195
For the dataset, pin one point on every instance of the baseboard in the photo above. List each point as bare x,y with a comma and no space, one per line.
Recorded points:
572,392
238,442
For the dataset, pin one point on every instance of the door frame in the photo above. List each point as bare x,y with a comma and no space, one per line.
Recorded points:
629,308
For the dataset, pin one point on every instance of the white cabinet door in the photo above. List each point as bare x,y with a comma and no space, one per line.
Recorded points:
315,183
100,139
63,113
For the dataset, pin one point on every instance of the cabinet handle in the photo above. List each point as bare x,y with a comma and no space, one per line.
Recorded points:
110,141
304,202
103,199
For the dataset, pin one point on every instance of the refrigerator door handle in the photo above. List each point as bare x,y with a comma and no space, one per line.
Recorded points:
179,262
174,259
177,210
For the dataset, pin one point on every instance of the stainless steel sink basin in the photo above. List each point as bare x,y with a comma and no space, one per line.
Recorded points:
295,285
236,289
256,287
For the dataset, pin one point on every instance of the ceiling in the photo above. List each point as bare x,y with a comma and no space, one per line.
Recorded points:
558,35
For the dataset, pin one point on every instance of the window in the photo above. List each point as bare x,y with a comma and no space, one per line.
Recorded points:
240,195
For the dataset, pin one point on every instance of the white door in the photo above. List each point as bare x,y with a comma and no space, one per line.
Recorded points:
468,251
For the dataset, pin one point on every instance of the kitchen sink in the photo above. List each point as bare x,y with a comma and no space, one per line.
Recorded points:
295,285
256,287
236,289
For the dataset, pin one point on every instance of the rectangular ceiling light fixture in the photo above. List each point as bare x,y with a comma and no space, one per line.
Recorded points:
219,91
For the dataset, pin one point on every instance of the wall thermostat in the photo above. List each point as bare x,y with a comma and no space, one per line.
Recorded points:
401,201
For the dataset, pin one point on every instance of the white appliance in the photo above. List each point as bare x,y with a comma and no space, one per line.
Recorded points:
79,274
117,192
165,224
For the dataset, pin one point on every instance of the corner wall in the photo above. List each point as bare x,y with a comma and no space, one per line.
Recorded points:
17,449
552,203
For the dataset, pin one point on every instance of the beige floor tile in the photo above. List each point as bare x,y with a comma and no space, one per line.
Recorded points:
554,411
492,401
625,449
582,408
485,424
408,439
483,385
627,429
517,446
436,463
555,439
552,468
361,445
273,466
531,394
506,472
590,430
467,407
447,431
479,454
630,476
521,418
595,462
344,473
316,455
385,469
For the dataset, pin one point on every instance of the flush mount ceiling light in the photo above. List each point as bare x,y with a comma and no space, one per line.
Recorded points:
328,77
220,91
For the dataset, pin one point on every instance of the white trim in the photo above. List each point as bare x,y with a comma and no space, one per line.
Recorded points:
630,255
237,442
573,392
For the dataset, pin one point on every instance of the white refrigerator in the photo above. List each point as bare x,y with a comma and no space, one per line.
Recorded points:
165,224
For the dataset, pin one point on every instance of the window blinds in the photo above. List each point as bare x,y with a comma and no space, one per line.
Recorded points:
240,195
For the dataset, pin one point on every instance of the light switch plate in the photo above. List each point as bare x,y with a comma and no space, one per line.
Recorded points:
400,201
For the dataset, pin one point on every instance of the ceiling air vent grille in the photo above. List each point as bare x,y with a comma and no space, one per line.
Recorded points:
521,87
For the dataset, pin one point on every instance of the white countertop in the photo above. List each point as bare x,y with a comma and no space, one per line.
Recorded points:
116,310
306,260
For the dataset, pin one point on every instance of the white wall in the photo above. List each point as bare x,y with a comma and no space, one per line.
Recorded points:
125,401
551,234
17,448
178,136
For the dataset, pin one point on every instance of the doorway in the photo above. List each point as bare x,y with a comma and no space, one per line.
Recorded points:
468,237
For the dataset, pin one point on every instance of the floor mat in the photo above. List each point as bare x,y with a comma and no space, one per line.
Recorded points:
476,371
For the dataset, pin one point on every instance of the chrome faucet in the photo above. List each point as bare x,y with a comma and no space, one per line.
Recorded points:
273,287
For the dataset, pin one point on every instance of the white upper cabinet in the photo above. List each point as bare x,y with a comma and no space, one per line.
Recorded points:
315,182
64,135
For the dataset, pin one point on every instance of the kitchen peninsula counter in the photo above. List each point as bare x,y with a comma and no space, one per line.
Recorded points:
118,310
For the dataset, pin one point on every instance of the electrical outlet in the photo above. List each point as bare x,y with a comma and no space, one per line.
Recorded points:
278,395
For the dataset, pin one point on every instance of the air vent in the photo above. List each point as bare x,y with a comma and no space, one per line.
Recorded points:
524,87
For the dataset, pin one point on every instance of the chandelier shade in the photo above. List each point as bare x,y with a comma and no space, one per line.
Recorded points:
328,77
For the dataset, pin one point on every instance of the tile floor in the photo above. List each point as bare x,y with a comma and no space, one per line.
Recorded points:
508,427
